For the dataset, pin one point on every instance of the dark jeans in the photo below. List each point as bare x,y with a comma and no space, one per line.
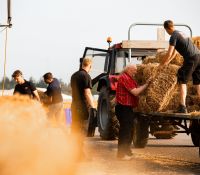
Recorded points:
125,116
79,118
78,127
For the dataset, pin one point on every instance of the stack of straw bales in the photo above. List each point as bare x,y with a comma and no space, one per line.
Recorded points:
163,93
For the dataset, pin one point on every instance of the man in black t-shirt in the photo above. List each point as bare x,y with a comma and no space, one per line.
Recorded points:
24,87
82,98
55,99
191,65
82,101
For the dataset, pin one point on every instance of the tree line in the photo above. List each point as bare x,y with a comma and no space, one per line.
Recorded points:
10,84
65,87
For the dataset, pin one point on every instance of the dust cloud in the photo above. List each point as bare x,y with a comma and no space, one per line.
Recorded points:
29,144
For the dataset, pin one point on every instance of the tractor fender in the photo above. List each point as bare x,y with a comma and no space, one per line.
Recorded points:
109,81
103,81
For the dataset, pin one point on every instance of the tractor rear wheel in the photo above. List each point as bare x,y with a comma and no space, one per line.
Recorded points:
108,123
140,132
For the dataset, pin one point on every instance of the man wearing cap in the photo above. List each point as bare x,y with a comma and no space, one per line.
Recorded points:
24,87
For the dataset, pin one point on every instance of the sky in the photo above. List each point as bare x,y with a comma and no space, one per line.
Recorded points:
51,35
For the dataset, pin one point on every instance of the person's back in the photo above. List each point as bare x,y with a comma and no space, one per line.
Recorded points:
79,81
82,101
54,90
55,100
183,44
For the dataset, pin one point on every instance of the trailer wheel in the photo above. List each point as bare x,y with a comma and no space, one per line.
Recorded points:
195,130
140,132
108,123
162,131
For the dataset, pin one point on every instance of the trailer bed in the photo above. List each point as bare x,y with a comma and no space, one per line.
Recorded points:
171,115
179,119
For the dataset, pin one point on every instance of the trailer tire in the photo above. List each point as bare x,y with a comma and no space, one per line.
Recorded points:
156,127
107,121
195,130
140,132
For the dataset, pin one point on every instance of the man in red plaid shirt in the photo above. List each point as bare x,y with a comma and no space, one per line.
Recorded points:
127,99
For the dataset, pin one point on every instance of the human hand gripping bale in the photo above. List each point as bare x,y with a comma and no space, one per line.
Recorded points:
161,89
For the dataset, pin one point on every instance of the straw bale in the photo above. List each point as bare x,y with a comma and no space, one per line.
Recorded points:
174,102
142,105
196,41
161,89
150,70
178,60
193,108
192,100
139,77
191,89
150,59
195,113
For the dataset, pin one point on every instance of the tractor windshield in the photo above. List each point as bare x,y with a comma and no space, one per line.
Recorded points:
122,60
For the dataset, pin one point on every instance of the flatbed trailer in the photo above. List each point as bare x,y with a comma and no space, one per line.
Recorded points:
186,123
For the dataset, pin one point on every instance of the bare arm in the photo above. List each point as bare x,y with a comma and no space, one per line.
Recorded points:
89,98
169,56
139,90
36,95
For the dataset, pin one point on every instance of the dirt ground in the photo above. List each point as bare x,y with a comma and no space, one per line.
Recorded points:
163,157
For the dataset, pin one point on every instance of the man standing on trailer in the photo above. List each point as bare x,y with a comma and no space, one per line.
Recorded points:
191,65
